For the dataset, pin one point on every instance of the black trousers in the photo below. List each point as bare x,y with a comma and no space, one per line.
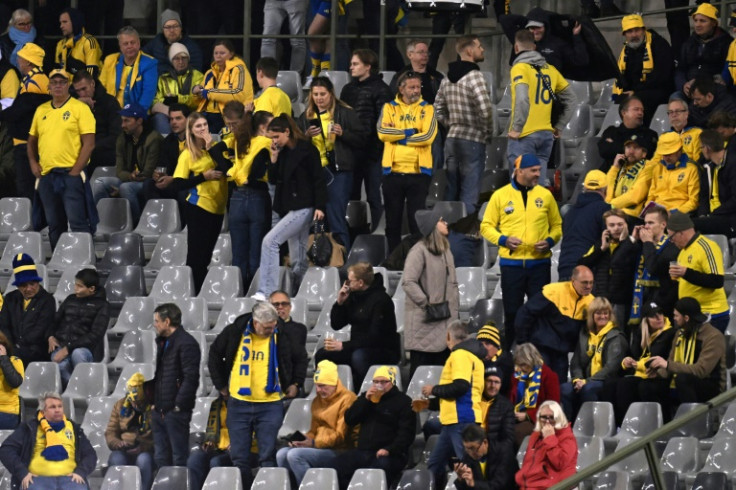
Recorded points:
716,225
25,181
400,189
622,392
204,228
418,358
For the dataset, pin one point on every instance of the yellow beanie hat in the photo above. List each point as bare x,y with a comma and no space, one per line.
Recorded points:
388,372
326,373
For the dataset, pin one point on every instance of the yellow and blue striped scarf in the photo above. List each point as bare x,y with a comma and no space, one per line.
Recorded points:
527,389
272,384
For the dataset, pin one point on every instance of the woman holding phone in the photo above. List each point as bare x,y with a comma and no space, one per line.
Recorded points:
299,198
337,133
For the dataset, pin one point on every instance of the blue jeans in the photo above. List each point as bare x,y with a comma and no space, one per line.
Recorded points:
170,438
201,462
539,143
66,367
144,462
56,483
556,360
450,443
338,195
572,401
243,418
63,199
294,227
9,421
249,219
299,459
465,161
132,191
160,123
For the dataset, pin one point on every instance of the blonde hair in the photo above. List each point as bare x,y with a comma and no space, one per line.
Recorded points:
436,242
598,304
527,354
560,420
645,333
195,151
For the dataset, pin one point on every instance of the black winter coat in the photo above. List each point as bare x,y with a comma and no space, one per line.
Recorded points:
27,330
82,322
177,372
20,114
107,127
295,334
367,98
726,185
371,314
722,102
698,58
658,265
225,347
613,271
582,227
389,424
660,347
657,86
299,179
501,465
350,143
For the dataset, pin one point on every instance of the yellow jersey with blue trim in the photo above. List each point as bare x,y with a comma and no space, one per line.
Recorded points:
677,186
84,49
536,220
273,100
705,256
539,116
43,467
462,364
35,82
59,131
210,195
408,131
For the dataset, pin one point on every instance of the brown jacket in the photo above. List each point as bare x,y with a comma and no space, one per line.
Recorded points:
329,429
710,356
119,425
427,274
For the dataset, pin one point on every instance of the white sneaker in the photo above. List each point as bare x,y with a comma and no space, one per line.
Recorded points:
259,296
308,82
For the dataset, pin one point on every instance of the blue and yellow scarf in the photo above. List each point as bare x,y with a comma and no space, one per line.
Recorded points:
644,279
272,384
527,389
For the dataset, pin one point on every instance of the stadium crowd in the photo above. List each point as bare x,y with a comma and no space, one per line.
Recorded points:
638,297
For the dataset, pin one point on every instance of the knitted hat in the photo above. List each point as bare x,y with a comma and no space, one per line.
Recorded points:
427,220
631,22
594,180
177,48
168,15
707,10
134,386
326,373
25,270
32,53
494,370
690,307
669,143
527,160
388,372
679,222
489,333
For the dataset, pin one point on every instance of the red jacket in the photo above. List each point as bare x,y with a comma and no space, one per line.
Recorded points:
549,390
548,461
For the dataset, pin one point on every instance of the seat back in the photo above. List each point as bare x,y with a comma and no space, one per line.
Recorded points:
338,78
231,309
356,215
124,248
368,380
707,480
65,286
200,414
272,479
290,82
451,211
722,456
225,477
222,254
27,242
660,121
171,478
39,378
595,419
115,216
488,76
136,313
699,428
641,419
298,417
173,283
581,124
122,478
136,346
424,375
320,479
417,479
171,249
89,379
437,187
613,118
612,480
471,284
364,478
671,480
722,242
634,465
681,455
147,369
159,216
98,413
73,249
368,248
15,215
123,282
583,90
590,453
318,284
221,284
193,313
487,310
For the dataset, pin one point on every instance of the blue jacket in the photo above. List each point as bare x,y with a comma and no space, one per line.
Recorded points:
144,79
581,228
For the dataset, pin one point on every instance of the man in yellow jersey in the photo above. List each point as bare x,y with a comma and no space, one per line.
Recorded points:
27,312
534,85
49,451
522,218
174,387
459,393
697,360
271,98
60,141
717,208
699,269
245,365
553,318
77,50
130,75
675,178
489,461
628,169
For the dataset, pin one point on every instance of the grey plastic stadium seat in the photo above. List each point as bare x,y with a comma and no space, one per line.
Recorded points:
590,452
221,284
488,75
15,215
671,480
319,283
487,310
73,249
233,308
284,281
699,428
471,283
681,455
171,478
299,310
660,121
122,478
451,211
722,242
147,369
424,375
338,78
298,417
522,450
320,479
496,153
291,83
595,419
613,480
580,125
635,465
613,118
136,313
159,216
115,217
437,187
641,418
137,346
172,283
124,248
368,248
399,312
124,281
65,285
193,314
27,242
98,413
170,249
707,480
583,90
200,414
417,479
271,479
356,215
368,380
89,379
226,477
39,378
722,457
222,254
365,478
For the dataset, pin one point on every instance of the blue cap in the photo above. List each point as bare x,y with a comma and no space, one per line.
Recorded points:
527,160
25,270
134,110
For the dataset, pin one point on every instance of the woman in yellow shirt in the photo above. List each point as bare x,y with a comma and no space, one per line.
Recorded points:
11,375
205,203
228,79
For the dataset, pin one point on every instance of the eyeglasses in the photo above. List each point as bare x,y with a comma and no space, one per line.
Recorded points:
281,304
171,27
676,111
58,83
23,24
546,418
381,381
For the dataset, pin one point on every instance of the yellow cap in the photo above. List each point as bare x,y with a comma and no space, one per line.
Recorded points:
388,372
594,180
59,73
669,143
631,22
326,373
32,53
707,10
